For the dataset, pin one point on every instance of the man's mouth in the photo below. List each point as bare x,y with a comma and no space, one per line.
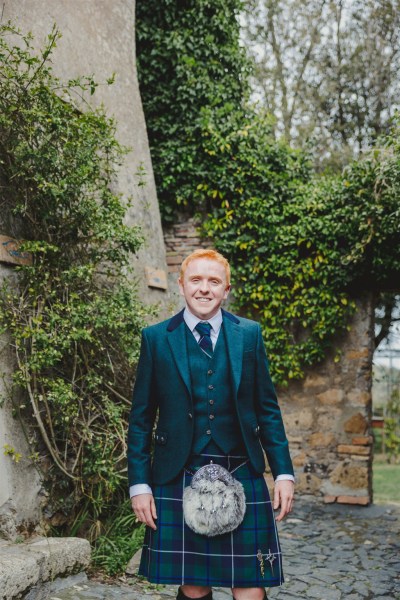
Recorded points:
203,299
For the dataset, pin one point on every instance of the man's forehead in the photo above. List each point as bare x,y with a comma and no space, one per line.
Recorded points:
205,266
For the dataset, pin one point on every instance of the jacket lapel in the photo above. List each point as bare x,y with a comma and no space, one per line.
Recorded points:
234,342
177,342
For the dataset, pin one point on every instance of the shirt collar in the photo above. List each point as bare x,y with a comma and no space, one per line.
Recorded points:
191,320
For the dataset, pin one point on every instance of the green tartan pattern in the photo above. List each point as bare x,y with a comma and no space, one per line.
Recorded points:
174,554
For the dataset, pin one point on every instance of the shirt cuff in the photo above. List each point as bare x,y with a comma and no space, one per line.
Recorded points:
283,477
139,488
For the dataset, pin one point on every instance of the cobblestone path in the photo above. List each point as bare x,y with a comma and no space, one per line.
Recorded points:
330,552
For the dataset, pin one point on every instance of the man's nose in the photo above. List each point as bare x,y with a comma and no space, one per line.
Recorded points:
204,287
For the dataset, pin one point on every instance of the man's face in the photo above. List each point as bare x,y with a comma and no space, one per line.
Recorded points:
204,287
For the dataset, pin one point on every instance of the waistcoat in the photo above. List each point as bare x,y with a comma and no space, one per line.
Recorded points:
215,417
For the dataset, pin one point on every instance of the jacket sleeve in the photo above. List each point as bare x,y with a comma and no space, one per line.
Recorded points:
141,418
272,431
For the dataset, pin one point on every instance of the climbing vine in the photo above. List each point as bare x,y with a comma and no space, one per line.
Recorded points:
72,313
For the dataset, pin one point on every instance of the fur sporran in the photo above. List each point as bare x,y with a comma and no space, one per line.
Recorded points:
215,502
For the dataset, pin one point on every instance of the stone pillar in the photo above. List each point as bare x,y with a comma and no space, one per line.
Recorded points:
328,418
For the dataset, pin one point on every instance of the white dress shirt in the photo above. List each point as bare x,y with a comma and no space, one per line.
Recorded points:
191,321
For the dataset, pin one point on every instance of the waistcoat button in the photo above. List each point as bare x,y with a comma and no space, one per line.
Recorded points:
210,387
210,372
190,415
211,401
211,416
208,432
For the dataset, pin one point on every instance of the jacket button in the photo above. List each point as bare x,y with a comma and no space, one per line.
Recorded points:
190,415
211,401
209,372
211,417
208,432
210,387
162,439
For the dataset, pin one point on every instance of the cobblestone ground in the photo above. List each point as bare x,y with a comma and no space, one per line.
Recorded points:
330,553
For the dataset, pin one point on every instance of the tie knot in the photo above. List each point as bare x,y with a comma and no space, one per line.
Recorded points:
203,328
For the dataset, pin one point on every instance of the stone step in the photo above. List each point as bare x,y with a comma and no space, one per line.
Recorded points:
26,569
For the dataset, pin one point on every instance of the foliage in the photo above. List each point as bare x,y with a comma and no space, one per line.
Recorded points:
189,61
327,71
392,428
72,314
301,246
119,542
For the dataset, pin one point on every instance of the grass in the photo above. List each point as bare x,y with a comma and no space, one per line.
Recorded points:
386,482
123,536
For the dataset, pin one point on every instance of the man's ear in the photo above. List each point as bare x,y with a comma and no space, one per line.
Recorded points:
227,290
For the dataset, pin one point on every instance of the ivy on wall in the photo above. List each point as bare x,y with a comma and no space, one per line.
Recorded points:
301,246
73,316
189,60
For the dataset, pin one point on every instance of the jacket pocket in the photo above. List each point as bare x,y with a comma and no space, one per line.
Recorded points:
161,437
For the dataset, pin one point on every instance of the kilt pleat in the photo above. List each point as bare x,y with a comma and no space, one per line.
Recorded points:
250,556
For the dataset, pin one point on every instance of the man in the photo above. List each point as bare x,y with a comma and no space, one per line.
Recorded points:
206,373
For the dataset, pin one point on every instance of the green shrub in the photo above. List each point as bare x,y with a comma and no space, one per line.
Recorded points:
73,315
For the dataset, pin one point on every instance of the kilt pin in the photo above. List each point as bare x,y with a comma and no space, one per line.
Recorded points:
220,408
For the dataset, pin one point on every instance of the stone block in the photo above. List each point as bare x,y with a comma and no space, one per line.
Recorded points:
332,396
308,483
349,476
299,420
350,449
133,565
23,566
363,440
329,499
356,424
359,398
314,381
357,354
299,459
321,440
361,500
174,260
329,419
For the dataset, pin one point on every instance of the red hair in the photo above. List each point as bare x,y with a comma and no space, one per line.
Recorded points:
209,254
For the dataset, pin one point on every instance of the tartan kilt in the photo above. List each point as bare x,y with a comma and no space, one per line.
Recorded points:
176,555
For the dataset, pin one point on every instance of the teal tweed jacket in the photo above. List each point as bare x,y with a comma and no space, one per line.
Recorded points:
163,384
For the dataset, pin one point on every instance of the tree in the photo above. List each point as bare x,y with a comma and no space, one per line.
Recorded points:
328,71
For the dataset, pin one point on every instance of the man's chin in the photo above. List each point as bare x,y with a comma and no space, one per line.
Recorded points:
204,312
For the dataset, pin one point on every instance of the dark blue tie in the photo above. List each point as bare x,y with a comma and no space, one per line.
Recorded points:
205,342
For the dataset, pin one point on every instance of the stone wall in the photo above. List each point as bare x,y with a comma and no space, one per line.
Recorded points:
97,38
328,414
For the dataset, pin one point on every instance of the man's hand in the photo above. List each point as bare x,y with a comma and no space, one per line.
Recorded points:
144,507
283,497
